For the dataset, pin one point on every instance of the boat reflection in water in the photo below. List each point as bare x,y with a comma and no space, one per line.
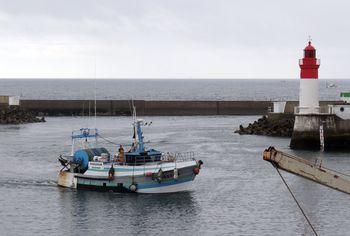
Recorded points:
125,213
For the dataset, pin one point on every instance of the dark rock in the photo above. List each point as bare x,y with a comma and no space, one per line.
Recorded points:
16,115
281,125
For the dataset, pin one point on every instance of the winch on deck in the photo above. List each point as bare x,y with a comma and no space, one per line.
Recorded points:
83,156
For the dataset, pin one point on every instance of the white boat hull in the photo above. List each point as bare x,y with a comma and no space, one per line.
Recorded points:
139,179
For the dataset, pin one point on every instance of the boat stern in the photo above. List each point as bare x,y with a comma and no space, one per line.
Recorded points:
67,179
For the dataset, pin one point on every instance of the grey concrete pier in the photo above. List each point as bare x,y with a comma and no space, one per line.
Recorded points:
145,108
306,132
154,108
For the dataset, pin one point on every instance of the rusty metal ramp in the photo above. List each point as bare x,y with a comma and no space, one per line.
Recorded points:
309,170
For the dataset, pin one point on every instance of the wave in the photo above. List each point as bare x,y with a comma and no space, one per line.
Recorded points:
27,182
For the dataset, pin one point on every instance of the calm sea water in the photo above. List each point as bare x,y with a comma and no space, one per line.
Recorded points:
236,193
190,89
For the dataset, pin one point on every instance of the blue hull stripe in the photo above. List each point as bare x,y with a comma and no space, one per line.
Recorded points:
128,170
163,184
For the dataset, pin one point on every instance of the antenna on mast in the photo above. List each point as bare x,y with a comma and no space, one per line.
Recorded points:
309,39
134,123
133,110
95,87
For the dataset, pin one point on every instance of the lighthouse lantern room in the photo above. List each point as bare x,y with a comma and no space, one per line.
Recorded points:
308,97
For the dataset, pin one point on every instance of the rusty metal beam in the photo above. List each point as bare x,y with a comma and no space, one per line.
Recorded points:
308,170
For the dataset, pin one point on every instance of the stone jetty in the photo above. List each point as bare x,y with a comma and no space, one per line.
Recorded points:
280,125
154,107
16,115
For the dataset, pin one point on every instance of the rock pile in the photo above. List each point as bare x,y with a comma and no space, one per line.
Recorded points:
16,115
270,126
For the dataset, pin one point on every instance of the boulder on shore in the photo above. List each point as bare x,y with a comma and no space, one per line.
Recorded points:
281,126
16,115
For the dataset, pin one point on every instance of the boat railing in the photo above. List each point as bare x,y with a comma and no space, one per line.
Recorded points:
166,157
177,156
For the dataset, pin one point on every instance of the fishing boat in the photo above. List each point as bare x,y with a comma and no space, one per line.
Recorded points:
139,170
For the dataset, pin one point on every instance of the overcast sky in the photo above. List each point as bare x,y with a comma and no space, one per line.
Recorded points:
171,38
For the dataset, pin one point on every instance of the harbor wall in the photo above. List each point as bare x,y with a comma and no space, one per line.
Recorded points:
148,108
154,108
4,99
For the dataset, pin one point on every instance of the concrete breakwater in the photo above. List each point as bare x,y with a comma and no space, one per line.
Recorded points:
272,125
155,108
145,108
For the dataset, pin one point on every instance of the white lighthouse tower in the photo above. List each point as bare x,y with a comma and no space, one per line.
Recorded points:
308,97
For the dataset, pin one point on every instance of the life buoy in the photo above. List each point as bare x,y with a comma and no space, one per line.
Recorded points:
196,170
149,174
133,187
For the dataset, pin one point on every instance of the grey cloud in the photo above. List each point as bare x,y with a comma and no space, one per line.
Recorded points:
157,31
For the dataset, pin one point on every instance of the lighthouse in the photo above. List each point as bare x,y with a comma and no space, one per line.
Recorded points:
308,93
313,129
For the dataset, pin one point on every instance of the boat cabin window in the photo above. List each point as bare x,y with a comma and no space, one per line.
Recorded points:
139,160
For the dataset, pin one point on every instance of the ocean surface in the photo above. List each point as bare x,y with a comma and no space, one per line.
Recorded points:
146,89
236,193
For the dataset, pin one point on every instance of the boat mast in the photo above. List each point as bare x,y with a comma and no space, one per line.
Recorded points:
73,144
134,123
95,104
138,137
95,91
141,147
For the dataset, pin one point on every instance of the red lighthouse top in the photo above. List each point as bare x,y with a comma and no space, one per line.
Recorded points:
309,64
309,47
